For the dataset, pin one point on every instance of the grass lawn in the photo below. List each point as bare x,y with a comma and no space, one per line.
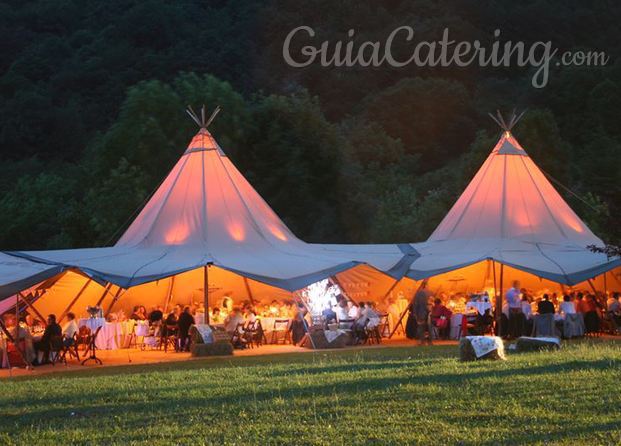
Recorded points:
408,395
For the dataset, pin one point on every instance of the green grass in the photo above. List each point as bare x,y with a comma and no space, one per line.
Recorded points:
418,395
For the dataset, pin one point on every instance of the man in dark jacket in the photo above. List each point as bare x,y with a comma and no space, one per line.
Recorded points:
420,309
185,321
545,306
53,332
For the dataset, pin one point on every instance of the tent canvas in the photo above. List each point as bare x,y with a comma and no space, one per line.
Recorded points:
511,214
206,213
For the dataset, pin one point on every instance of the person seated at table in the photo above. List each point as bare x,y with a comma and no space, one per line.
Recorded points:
440,318
373,316
23,337
137,315
156,315
70,328
613,306
233,320
186,320
342,312
545,306
328,313
471,305
360,324
353,310
566,307
170,323
216,316
250,316
273,309
591,316
52,331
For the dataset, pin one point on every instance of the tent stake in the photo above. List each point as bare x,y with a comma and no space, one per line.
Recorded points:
74,300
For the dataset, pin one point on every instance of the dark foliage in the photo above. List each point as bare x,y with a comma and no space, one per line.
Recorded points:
91,117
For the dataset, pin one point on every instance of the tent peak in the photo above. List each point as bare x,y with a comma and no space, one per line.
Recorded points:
201,121
505,124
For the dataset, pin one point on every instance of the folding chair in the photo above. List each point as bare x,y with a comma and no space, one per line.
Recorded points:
55,353
384,327
281,332
169,337
71,349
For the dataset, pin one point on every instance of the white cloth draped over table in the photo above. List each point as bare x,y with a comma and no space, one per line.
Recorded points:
481,307
456,321
113,335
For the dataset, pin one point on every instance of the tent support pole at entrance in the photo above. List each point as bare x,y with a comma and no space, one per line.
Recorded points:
306,327
74,300
248,290
103,295
170,293
399,322
29,305
592,285
114,300
10,337
392,287
206,292
499,299
338,283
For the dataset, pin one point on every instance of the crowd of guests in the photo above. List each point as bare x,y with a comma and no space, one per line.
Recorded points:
520,306
36,339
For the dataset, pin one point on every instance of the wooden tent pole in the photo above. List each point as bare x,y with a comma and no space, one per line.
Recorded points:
423,283
114,301
338,283
307,334
170,293
592,285
10,337
206,292
74,300
103,295
248,290
605,284
392,287
29,305
500,297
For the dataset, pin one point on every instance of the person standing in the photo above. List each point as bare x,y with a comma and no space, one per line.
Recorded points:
185,321
516,317
421,312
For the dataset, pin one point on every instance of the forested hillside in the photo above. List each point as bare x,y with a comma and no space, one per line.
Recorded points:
93,96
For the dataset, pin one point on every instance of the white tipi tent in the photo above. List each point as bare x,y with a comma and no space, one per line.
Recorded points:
205,219
511,214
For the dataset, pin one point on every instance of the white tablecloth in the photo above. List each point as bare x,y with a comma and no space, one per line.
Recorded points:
113,335
456,321
479,306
